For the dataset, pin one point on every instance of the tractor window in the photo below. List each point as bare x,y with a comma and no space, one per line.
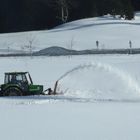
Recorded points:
9,78
13,78
19,77
6,79
24,78
28,79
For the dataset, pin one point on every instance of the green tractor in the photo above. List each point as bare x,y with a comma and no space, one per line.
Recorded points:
19,84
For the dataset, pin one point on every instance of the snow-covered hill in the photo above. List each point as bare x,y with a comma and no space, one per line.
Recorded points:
112,33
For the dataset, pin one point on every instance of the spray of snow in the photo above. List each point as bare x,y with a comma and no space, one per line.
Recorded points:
102,85
80,67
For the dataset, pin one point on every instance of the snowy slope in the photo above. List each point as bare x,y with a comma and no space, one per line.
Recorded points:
82,34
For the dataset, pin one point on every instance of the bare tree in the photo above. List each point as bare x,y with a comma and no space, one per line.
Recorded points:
23,48
30,43
70,45
130,47
63,7
72,42
8,46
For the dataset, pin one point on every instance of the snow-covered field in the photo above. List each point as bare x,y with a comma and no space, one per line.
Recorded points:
101,93
101,99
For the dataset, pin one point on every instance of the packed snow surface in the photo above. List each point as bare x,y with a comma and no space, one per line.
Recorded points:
100,99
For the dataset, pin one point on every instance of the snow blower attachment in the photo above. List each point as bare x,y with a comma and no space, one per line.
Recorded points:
52,92
21,84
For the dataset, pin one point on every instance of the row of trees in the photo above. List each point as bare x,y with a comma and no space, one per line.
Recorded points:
21,15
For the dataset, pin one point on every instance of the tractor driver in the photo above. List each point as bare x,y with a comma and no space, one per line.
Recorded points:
13,79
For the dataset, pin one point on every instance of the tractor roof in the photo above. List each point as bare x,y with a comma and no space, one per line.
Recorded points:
14,73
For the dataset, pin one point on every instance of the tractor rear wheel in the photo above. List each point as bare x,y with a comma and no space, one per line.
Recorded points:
12,91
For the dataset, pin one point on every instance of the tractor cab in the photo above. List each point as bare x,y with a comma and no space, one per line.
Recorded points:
18,84
18,77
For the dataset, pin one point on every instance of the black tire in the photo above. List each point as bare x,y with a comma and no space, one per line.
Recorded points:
12,91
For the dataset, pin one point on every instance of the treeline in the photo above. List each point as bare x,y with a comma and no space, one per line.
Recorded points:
23,15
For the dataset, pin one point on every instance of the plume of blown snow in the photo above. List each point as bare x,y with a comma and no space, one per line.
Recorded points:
99,81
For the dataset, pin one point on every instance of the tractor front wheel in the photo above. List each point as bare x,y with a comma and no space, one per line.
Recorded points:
12,91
